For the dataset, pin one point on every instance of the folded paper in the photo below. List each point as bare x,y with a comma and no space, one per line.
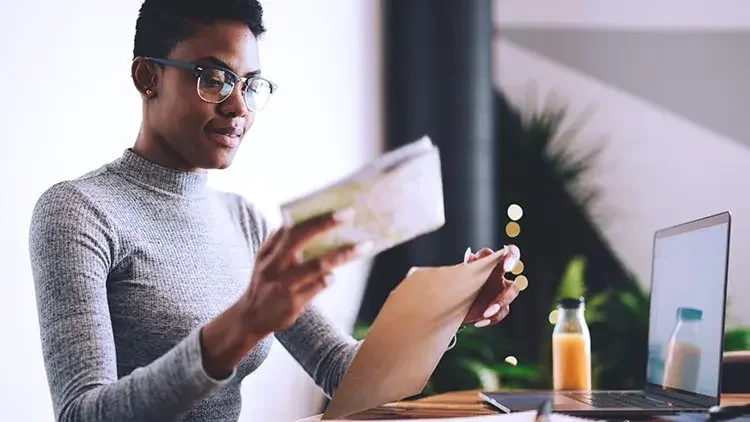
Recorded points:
396,198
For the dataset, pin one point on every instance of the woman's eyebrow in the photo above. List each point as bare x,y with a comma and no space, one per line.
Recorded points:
217,62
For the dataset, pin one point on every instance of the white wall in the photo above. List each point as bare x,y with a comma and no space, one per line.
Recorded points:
658,167
70,107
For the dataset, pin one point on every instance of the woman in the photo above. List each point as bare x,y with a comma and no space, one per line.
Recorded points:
157,295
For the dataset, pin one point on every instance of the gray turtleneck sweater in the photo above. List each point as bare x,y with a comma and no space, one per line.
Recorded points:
129,262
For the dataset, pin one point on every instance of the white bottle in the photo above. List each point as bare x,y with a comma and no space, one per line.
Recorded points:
683,358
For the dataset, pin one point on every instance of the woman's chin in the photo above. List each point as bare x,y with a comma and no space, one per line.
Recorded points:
222,162
215,160
216,157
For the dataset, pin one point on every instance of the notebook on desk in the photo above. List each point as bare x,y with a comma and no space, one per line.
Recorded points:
688,283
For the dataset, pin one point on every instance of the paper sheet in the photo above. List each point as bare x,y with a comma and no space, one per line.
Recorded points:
396,198
409,336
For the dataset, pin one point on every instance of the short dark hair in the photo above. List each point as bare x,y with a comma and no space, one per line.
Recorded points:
162,24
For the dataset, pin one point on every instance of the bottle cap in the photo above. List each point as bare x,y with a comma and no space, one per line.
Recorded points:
570,302
689,314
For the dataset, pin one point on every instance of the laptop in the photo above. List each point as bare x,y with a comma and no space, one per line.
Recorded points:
689,272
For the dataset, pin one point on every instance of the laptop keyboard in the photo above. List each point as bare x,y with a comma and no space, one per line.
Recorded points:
638,400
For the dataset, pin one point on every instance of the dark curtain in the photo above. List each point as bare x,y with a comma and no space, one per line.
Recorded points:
438,81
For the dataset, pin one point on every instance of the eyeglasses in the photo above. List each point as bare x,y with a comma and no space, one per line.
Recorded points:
216,84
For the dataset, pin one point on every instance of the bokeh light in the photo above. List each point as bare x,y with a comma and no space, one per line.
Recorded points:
522,282
518,269
512,229
511,360
553,317
515,212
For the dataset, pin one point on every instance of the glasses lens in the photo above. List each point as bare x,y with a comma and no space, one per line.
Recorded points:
215,85
258,92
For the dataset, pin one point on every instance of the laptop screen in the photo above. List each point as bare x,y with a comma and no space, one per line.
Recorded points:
686,321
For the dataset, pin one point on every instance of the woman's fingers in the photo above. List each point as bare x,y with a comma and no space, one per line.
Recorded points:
502,294
509,294
495,318
492,310
504,299
471,257
309,290
468,255
305,231
269,246
511,257
315,270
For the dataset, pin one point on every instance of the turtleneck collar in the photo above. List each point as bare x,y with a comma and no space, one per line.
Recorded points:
144,172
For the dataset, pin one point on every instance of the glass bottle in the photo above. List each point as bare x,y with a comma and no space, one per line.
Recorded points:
571,347
683,358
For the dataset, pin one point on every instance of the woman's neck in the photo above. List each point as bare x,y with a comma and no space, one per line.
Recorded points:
156,149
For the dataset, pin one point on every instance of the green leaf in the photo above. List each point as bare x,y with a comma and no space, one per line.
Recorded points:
484,373
572,283
737,339
595,307
519,372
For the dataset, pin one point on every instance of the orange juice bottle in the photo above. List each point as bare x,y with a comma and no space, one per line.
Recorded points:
571,347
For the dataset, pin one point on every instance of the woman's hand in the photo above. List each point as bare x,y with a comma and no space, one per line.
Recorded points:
492,304
281,285
280,289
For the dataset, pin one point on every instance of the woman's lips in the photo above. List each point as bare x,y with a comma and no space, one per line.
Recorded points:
229,138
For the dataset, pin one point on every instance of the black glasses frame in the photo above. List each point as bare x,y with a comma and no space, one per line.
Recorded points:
199,69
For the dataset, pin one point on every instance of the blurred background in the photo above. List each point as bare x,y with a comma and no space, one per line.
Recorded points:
594,123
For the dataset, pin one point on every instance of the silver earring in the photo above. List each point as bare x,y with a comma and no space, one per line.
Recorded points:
148,92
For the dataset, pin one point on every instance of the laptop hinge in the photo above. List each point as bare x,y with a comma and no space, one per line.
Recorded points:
698,401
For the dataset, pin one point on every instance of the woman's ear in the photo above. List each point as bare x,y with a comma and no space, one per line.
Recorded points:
145,76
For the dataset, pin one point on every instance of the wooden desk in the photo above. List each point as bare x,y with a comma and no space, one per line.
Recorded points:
464,403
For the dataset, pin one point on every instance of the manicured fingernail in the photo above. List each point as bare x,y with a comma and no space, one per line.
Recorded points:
512,260
482,323
345,215
492,310
412,270
363,248
510,263
467,254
